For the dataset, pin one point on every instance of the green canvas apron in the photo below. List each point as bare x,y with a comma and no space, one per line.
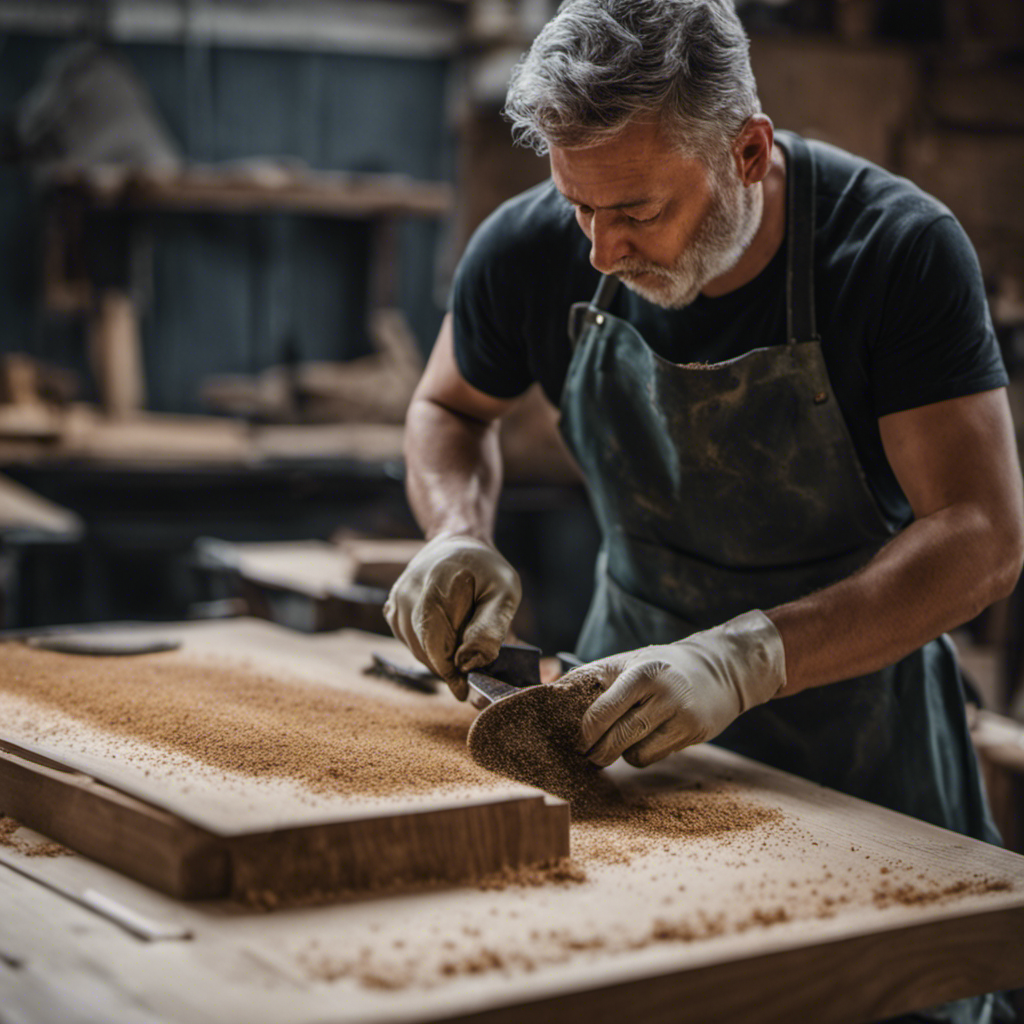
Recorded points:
726,487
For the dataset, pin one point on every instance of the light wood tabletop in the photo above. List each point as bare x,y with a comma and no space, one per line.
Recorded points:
734,893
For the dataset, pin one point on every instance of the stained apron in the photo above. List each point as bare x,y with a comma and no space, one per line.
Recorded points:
725,487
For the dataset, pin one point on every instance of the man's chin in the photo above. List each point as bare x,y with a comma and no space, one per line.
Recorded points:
660,291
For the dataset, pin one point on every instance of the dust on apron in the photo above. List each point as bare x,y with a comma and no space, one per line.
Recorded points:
726,487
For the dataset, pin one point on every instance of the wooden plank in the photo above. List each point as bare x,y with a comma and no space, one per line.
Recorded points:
152,439
334,662
167,853
395,851
265,186
361,442
197,830
155,441
112,827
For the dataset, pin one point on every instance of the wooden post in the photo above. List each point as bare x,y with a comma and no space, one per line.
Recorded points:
116,355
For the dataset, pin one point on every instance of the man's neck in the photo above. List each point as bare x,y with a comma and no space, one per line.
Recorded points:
770,233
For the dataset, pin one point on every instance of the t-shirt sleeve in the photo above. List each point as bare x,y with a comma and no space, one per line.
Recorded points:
489,350
936,339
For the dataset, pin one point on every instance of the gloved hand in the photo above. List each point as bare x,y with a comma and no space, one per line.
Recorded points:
665,697
453,605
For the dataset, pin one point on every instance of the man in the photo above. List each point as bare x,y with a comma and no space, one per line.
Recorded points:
792,420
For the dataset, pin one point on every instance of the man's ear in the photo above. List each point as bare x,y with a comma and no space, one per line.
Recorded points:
752,149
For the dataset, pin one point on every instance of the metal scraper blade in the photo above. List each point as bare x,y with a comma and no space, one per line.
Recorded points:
517,666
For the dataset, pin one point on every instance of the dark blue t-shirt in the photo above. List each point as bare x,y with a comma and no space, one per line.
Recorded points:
901,307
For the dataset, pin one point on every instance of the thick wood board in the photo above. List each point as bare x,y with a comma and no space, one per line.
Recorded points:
196,831
221,802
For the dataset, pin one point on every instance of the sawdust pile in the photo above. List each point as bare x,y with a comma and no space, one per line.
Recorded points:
622,827
8,837
238,720
493,944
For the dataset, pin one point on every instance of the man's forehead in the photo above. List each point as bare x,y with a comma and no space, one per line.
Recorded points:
638,166
622,175
627,204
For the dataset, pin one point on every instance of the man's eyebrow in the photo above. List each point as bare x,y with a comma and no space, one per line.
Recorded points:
631,204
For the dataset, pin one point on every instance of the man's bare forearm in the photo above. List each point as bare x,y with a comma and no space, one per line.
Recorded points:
937,574
453,470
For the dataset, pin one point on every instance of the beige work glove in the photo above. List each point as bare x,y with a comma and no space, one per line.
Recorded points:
453,605
665,697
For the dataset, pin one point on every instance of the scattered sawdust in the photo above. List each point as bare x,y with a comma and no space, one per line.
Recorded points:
626,826
8,829
397,965
561,872
564,871
330,741
555,946
909,894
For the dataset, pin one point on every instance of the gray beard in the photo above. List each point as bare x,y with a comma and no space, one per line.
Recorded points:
727,231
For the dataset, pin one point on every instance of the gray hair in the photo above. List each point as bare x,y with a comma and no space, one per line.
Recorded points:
600,64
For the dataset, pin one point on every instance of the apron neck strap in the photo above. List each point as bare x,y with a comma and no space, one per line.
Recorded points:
583,313
606,289
800,209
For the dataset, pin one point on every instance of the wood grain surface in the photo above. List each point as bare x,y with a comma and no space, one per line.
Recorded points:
810,905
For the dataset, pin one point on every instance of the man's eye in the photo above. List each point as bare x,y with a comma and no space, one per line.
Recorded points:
643,220
585,210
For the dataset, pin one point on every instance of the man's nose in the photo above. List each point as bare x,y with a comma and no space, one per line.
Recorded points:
608,240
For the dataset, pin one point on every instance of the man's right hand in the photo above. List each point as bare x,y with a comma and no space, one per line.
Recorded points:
453,605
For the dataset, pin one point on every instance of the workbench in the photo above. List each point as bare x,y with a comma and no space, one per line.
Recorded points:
811,905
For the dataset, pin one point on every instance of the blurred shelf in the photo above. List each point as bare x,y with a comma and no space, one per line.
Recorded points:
256,187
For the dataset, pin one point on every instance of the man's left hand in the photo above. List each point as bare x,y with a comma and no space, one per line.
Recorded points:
665,697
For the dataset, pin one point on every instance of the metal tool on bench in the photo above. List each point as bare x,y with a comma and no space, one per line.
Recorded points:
99,645
416,677
101,640
517,666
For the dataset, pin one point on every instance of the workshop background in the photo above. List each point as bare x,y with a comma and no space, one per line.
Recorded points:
227,231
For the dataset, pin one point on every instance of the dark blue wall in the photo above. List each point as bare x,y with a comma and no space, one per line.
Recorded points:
232,293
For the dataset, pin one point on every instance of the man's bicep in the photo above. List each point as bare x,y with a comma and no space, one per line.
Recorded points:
444,385
956,451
